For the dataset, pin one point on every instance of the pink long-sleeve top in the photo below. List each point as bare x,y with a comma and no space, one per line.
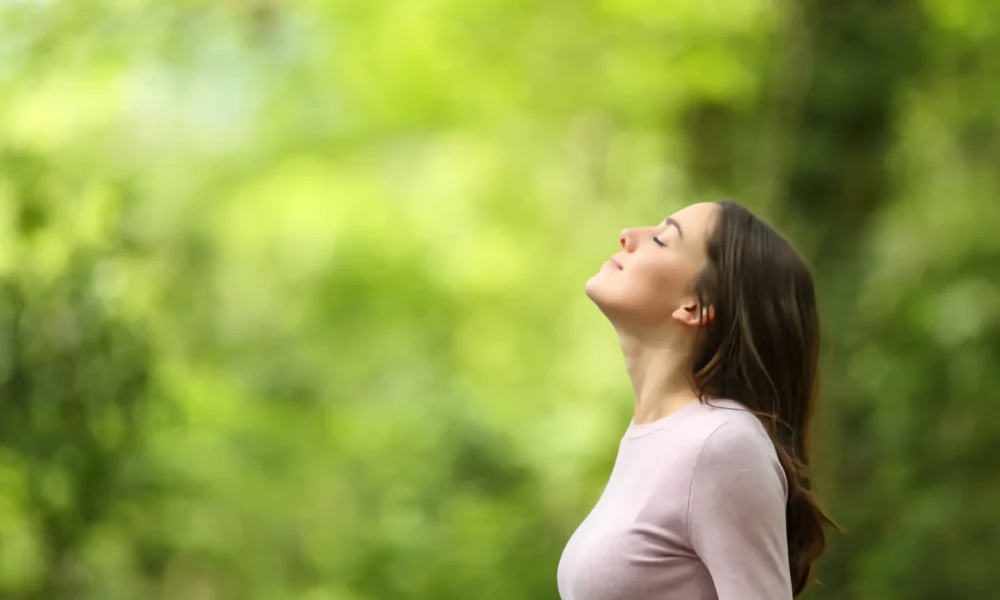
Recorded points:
694,510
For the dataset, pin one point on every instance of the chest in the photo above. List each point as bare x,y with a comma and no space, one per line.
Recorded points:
633,545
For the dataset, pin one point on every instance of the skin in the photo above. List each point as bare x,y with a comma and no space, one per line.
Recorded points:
647,292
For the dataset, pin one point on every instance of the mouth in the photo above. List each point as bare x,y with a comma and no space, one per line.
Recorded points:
617,264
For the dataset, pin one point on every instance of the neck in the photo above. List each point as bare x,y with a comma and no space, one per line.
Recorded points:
660,375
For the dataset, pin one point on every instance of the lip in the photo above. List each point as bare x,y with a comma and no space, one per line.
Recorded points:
617,264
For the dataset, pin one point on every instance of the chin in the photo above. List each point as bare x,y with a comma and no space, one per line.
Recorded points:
601,293
594,288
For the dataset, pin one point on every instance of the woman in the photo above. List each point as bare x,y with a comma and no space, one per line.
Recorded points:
710,496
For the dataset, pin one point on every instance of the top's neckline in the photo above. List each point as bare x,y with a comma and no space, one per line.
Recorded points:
636,430
640,429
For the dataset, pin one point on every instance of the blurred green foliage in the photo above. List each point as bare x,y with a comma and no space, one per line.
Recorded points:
291,291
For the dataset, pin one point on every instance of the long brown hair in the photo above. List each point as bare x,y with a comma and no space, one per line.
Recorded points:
762,349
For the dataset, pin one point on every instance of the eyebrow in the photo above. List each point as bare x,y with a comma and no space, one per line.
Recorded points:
671,221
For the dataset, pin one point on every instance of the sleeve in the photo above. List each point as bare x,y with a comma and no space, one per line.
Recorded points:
736,515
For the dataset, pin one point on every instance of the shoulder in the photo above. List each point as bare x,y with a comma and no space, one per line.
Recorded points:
713,425
733,442
729,422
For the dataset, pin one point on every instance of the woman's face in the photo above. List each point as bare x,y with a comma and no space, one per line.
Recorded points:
651,280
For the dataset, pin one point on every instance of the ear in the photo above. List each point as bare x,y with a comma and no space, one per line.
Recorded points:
692,314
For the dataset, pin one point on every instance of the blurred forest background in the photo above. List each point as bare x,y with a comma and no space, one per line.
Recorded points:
291,292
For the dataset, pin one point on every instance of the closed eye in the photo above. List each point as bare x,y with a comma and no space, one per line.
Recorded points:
658,242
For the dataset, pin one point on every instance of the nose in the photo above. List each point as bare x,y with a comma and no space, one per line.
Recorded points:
627,239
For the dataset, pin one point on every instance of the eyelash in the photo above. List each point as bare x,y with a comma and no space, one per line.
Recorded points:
658,242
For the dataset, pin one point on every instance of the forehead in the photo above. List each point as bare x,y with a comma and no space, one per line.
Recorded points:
696,221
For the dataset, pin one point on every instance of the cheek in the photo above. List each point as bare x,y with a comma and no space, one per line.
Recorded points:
667,279
648,289
652,287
